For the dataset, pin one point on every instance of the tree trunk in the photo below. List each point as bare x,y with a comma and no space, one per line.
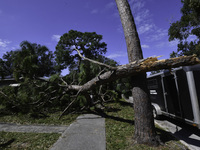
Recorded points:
144,123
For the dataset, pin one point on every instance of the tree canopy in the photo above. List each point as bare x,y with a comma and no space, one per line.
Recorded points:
39,96
188,26
31,60
88,43
6,64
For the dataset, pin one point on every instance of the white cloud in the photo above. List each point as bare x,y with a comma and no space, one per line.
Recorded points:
55,37
113,55
14,47
158,34
142,16
161,44
110,5
173,43
117,55
94,11
145,28
136,4
4,46
192,38
145,46
4,43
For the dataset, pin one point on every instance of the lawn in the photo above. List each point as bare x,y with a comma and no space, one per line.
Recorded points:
51,119
120,130
31,141
27,141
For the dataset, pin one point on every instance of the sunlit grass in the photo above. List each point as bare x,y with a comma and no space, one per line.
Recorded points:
50,119
120,130
27,141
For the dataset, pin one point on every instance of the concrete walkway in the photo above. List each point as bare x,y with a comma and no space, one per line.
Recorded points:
86,133
8,127
188,137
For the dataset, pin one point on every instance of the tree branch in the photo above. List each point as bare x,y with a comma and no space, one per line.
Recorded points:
135,68
63,81
95,62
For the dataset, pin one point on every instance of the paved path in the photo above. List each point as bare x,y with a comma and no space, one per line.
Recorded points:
86,133
184,133
7,127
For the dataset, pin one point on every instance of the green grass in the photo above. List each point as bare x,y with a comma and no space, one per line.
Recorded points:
27,141
120,130
31,141
52,118
119,126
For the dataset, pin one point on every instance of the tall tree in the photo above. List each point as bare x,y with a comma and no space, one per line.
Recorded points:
144,123
33,60
88,43
188,25
6,64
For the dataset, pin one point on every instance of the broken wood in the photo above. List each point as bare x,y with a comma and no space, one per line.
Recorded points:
134,68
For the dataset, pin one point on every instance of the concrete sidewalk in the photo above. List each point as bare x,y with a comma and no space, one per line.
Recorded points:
185,135
86,133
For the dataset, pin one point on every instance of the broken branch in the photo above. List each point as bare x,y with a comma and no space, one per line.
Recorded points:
135,68
96,62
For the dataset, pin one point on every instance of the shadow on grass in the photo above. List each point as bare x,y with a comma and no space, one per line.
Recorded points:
4,112
104,115
123,103
117,118
162,134
101,112
165,136
4,145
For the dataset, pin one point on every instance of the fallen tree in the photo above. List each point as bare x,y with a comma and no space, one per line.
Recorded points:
123,71
54,90
132,69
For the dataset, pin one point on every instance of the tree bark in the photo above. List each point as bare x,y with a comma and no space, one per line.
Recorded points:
144,123
131,35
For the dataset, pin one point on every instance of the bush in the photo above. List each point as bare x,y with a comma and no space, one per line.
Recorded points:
33,97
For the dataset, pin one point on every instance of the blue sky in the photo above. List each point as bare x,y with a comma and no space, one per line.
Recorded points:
44,21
